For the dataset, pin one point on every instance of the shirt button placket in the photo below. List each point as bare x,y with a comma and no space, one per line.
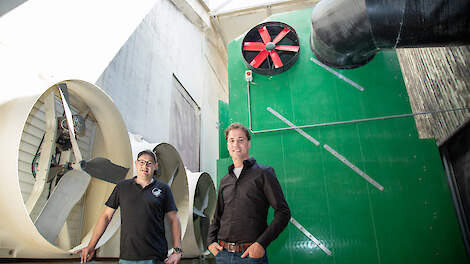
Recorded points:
237,203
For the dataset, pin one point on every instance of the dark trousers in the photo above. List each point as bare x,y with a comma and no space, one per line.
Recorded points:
225,257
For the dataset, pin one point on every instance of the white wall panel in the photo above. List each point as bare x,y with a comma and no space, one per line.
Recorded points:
140,77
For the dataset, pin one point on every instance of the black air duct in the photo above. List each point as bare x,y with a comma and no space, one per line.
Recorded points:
348,33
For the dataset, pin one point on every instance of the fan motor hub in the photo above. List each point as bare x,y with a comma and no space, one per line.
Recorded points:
270,46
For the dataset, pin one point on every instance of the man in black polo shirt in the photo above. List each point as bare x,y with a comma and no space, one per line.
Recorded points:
144,201
239,232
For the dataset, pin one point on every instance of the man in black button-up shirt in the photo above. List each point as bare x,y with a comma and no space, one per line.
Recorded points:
244,197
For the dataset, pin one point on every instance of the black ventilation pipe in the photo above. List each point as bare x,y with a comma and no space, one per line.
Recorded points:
348,33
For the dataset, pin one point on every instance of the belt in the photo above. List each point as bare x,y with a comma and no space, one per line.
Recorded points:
234,247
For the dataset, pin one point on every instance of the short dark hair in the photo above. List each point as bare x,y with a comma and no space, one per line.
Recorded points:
237,126
148,152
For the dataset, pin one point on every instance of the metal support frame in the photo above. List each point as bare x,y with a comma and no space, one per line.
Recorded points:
343,122
48,147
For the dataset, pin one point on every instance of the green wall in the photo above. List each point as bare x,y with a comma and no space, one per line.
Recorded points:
411,221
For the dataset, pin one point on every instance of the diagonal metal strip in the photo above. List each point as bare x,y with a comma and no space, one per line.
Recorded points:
353,167
289,123
67,193
339,75
329,149
103,169
310,236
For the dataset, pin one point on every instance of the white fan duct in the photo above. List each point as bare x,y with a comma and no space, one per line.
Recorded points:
54,189
202,201
195,198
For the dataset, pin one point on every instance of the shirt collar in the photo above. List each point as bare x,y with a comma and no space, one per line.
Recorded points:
246,163
154,180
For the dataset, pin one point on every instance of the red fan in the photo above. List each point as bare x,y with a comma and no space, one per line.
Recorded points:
270,48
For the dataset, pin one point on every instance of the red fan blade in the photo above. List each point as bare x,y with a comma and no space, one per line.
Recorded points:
276,60
288,48
282,34
254,46
263,32
258,60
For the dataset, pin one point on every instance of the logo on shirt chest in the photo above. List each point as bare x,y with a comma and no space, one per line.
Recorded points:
156,192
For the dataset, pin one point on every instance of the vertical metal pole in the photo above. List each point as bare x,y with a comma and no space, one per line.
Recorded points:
249,106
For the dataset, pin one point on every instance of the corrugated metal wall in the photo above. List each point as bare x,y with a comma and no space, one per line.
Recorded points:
33,131
437,79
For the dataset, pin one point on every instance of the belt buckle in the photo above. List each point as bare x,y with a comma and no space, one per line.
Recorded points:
232,247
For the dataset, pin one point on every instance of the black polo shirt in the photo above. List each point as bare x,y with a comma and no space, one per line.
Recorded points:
142,218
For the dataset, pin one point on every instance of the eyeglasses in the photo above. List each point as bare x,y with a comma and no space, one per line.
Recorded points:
144,162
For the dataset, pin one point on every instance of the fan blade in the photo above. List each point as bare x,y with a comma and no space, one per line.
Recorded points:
67,193
68,116
204,229
258,60
103,169
198,212
64,92
276,60
175,171
206,200
53,171
254,46
263,32
288,48
281,35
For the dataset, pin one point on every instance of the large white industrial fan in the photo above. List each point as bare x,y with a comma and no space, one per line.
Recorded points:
195,197
171,171
73,183
203,201
52,207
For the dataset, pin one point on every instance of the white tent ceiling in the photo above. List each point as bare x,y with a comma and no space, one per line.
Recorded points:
233,18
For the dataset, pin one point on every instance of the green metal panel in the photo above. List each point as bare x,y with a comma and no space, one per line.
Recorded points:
222,168
411,221
224,122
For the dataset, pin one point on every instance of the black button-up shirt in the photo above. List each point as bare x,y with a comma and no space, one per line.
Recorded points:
242,206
